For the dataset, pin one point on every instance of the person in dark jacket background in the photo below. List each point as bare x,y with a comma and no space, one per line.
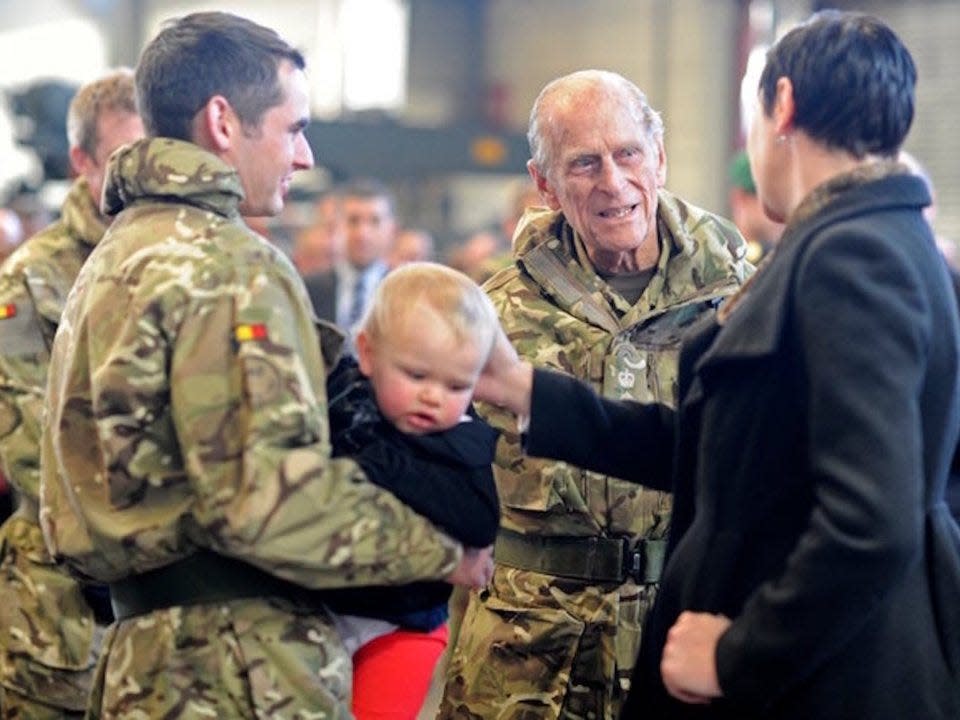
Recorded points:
813,567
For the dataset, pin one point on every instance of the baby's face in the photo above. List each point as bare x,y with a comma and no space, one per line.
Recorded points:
422,373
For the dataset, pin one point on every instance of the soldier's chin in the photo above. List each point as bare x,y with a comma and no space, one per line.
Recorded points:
274,207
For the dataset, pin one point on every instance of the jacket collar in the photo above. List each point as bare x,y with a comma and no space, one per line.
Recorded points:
753,329
168,170
81,216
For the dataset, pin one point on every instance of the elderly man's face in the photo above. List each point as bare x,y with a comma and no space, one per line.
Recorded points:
604,173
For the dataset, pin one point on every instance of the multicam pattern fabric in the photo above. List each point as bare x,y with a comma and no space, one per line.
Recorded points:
541,646
49,639
187,410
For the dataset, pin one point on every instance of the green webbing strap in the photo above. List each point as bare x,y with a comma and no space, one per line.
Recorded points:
550,271
594,559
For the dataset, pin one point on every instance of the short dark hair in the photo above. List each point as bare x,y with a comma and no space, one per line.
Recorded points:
853,82
367,189
206,54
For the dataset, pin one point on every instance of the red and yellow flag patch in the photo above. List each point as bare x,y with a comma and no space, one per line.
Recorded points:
8,311
250,331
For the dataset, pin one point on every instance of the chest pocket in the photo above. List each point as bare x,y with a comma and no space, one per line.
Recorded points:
642,362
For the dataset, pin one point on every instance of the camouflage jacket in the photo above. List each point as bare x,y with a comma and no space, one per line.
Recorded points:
187,406
560,314
48,633
34,282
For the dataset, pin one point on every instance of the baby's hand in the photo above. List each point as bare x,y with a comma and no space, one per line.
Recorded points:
475,569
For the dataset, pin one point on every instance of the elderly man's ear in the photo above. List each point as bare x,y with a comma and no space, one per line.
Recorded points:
546,193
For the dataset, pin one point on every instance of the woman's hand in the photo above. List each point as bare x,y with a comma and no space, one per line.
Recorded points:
506,381
688,665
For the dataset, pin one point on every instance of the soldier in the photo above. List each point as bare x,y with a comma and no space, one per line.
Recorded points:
603,284
50,625
185,455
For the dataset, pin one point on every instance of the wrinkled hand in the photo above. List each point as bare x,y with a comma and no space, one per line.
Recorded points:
688,665
506,381
475,569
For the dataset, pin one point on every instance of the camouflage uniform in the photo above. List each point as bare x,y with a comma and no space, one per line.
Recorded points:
49,638
557,632
187,412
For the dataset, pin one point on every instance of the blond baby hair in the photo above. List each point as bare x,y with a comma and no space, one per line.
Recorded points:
455,298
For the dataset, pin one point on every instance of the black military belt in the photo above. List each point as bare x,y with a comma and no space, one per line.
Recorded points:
201,578
595,559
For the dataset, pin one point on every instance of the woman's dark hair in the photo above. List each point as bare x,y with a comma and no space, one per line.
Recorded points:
207,54
853,82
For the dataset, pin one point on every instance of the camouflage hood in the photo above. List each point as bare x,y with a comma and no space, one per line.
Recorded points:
701,254
81,216
163,169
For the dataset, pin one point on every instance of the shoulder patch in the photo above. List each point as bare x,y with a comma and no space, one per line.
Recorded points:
250,331
20,332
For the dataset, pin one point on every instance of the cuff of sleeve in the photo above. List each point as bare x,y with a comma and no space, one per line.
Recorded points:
739,683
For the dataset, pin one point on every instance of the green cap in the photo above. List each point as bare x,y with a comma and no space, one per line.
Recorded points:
740,173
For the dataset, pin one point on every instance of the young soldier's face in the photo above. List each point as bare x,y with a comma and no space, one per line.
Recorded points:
268,156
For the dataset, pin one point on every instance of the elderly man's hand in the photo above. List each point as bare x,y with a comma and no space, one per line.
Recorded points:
475,569
688,665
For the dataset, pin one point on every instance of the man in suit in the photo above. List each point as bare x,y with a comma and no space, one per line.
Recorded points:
341,295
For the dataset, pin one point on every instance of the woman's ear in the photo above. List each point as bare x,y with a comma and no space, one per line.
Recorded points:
784,108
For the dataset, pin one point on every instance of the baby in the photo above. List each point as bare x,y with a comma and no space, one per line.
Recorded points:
420,349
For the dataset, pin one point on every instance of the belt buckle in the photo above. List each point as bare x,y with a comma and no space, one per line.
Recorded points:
634,561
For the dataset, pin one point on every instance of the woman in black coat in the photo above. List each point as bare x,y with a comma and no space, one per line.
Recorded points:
813,568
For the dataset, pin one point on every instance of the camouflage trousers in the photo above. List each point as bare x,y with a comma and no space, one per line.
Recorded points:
538,647
247,659
48,637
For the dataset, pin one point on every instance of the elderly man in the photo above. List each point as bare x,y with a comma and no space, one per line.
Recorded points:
603,285
50,625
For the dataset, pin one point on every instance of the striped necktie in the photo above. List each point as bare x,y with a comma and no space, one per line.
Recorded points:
356,302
